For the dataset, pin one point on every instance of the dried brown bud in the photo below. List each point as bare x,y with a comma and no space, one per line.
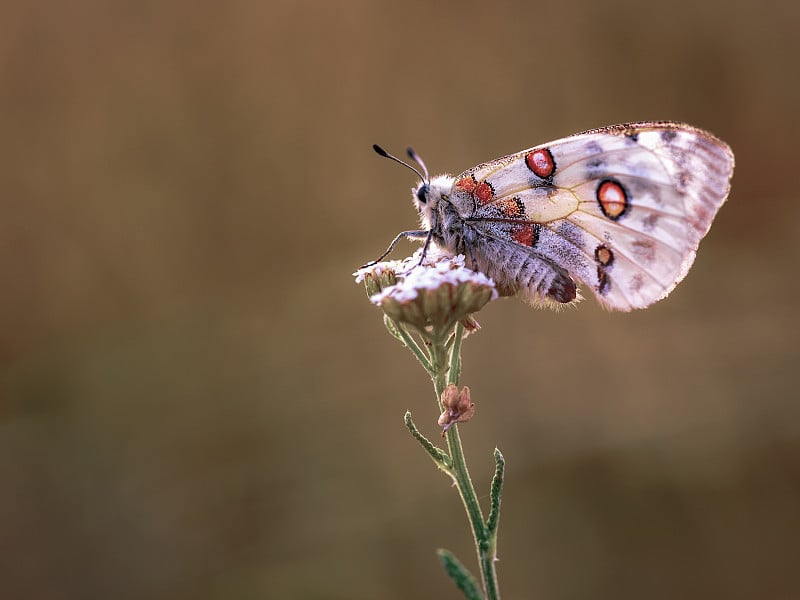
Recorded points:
458,407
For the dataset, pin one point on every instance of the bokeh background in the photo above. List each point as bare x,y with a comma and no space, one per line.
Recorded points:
196,401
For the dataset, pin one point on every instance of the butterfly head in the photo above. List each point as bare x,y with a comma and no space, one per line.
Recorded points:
428,194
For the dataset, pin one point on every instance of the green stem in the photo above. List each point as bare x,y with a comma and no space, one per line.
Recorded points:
455,356
484,542
448,371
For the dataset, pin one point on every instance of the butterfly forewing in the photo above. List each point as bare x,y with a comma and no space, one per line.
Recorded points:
621,209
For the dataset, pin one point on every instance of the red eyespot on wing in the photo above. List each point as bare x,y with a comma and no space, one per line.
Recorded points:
484,192
513,208
541,162
527,234
467,184
603,255
613,199
605,258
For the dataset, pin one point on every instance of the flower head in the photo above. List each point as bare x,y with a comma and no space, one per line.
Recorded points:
431,295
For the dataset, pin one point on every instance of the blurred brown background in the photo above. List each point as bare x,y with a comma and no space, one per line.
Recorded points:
196,401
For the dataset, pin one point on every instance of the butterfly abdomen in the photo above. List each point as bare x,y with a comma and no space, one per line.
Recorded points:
517,270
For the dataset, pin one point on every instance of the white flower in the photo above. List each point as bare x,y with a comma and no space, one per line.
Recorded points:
438,292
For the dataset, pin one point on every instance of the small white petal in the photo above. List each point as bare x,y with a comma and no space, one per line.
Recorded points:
437,269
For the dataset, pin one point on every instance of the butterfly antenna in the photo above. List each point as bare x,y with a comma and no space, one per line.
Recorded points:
416,158
385,154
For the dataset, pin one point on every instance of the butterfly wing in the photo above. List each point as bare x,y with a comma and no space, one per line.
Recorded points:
620,209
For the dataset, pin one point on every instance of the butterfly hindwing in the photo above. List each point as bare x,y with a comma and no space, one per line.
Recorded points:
621,209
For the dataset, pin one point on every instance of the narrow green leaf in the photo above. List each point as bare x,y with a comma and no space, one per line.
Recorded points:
438,455
459,574
496,492
399,332
392,327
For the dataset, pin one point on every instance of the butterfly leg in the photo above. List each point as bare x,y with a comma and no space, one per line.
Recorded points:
425,246
410,235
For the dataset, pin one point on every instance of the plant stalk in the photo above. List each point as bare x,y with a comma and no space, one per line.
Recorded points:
446,369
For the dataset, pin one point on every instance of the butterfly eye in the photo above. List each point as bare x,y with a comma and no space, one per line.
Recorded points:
422,192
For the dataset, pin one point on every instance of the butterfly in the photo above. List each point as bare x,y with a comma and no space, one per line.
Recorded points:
619,209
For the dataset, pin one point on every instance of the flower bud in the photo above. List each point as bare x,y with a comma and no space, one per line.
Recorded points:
458,407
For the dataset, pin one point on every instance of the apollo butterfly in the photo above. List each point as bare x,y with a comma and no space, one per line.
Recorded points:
619,209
